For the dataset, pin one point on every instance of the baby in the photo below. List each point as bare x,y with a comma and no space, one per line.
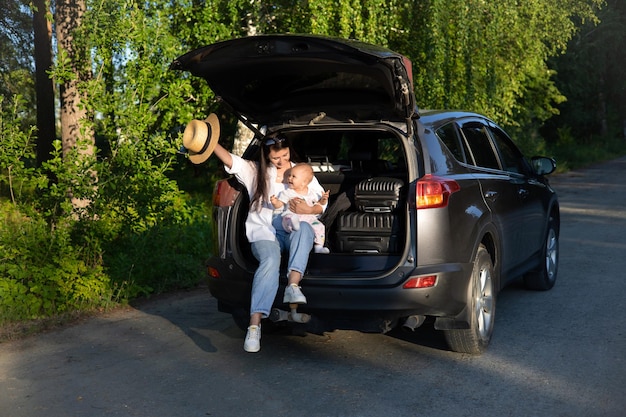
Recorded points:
300,175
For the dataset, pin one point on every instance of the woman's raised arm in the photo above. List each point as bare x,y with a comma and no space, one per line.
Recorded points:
223,156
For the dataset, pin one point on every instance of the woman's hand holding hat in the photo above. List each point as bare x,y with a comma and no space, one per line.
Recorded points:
200,138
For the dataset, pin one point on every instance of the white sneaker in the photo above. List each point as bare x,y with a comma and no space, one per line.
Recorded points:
321,249
293,295
253,339
298,317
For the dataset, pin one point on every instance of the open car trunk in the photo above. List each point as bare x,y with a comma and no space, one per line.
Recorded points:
279,78
365,220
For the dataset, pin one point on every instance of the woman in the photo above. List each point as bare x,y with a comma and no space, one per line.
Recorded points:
267,238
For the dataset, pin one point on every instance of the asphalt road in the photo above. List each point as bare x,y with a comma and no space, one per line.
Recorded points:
556,353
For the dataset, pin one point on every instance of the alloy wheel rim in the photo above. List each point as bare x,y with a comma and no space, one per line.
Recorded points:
551,255
484,302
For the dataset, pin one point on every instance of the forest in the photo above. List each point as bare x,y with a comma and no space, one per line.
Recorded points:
98,207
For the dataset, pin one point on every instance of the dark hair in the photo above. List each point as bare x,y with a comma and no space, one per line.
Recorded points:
271,143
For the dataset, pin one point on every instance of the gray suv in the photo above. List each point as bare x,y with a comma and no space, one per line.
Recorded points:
431,212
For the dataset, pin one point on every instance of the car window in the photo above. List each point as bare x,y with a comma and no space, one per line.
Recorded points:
358,151
390,151
449,136
480,145
512,159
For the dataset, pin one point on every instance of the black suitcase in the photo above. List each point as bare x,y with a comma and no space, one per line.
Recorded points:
378,195
359,232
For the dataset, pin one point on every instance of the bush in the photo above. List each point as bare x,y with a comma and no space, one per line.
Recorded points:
138,233
42,272
568,149
18,151
572,153
159,259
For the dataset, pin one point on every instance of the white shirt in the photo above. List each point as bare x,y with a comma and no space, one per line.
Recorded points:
259,222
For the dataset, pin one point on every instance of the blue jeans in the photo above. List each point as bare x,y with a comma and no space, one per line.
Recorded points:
268,253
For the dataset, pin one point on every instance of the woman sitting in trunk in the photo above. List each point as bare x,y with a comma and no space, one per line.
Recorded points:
262,179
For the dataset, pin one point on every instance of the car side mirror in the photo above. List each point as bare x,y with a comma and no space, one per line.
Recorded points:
543,165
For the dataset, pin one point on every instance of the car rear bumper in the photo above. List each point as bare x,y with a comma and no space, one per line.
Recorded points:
352,299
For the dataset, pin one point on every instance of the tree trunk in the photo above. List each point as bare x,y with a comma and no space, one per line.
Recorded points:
75,125
44,88
242,139
68,17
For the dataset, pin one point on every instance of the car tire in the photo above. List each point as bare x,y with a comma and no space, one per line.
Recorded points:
544,278
481,304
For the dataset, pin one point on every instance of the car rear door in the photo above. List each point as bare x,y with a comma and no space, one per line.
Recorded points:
500,190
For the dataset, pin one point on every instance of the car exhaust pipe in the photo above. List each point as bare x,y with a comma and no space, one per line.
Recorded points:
413,322
277,315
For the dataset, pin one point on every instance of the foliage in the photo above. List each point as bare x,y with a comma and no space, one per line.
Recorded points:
489,57
44,270
43,273
57,257
141,266
591,76
16,50
16,142
572,155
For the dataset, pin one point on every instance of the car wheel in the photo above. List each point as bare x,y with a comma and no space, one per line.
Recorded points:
544,278
481,304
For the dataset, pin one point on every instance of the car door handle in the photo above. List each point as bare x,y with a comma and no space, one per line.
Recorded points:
522,192
491,195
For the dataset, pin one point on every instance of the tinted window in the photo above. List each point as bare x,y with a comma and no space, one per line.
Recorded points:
450,138
390,150
376,153
510,156
480,146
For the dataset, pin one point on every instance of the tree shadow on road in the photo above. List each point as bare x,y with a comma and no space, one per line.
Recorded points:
194,312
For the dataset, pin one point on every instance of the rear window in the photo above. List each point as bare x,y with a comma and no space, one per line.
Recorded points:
376,153
480,146
342,159
448,134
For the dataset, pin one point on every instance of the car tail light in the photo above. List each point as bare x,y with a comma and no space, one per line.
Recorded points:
213,273
434,191
223,194
426,281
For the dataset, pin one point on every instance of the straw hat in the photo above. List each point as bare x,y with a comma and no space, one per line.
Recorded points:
200,138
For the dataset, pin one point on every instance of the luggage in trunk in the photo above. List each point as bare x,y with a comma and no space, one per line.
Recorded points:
367,232
375,227
378,195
